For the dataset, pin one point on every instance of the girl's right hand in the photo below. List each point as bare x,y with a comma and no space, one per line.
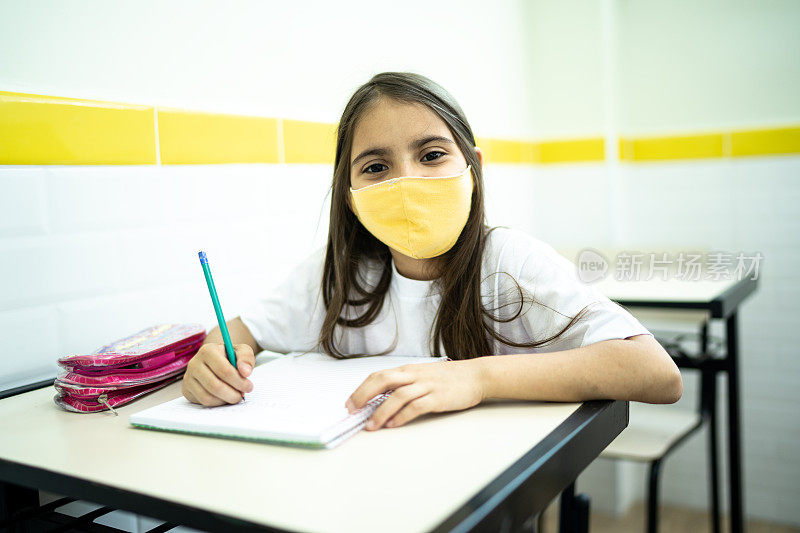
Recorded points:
210,378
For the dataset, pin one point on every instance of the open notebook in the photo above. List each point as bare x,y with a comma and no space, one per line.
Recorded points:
297,399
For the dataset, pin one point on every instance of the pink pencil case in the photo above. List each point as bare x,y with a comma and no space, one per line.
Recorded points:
93,399
126,369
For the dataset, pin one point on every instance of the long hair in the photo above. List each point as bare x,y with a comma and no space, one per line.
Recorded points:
462,325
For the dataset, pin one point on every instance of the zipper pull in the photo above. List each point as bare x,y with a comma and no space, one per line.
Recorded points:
103,398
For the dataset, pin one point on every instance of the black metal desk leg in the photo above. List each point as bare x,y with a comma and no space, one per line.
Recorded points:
582,518
14,499
710,388
566,514
734,428
574,511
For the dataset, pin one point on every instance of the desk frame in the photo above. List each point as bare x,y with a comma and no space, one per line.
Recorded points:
725,307
506,504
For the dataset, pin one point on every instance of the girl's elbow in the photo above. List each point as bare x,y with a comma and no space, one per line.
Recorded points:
673,386
671,380
665,383
664,387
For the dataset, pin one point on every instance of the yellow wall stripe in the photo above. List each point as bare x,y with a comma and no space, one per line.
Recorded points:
572,150
309,142
46,130
37,129
531,152
506,151
766,141
207,138
672,147
484,144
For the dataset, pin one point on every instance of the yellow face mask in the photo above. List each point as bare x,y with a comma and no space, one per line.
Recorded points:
420,217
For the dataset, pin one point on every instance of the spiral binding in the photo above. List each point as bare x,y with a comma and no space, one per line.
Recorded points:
358,419
354,422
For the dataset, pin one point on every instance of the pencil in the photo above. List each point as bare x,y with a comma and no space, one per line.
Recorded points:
223,327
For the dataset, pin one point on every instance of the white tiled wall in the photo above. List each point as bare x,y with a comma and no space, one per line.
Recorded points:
94,253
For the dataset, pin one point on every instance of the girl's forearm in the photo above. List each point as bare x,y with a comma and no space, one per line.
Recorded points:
635,369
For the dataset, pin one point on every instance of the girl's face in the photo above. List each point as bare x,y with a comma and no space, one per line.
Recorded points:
394,139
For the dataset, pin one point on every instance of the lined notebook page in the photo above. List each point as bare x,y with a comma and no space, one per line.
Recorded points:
297,398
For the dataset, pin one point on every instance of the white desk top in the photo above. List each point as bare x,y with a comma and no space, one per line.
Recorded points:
402,479
669,290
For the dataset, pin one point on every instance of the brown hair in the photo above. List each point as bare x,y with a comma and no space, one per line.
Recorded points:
463,325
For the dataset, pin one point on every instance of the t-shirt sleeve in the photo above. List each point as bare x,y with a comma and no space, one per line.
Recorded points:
559,295
289,318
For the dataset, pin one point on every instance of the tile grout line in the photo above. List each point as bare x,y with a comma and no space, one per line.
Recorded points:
727,144
281,145
155,131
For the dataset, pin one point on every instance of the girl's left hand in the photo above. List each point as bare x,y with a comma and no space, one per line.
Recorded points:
418,389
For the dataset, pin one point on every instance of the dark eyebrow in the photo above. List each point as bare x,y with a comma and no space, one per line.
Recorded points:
416,144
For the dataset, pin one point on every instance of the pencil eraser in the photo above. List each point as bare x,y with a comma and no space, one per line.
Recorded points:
203,258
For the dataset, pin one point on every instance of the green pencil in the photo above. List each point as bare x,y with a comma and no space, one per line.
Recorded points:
223,327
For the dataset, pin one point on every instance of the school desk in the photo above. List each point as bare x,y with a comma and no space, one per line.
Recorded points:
721,299
489,468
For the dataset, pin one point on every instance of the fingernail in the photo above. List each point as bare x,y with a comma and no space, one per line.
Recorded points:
349,405
246,369
249,386
370,424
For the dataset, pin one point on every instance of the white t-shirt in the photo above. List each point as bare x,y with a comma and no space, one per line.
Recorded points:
290,318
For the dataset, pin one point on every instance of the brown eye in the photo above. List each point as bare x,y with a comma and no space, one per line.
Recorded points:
439,155
372,166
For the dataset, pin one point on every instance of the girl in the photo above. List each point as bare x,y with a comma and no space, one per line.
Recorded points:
411,268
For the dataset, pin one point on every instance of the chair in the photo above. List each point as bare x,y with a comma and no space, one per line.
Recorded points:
654,431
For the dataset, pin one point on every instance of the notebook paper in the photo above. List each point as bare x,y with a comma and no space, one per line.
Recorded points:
297,399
